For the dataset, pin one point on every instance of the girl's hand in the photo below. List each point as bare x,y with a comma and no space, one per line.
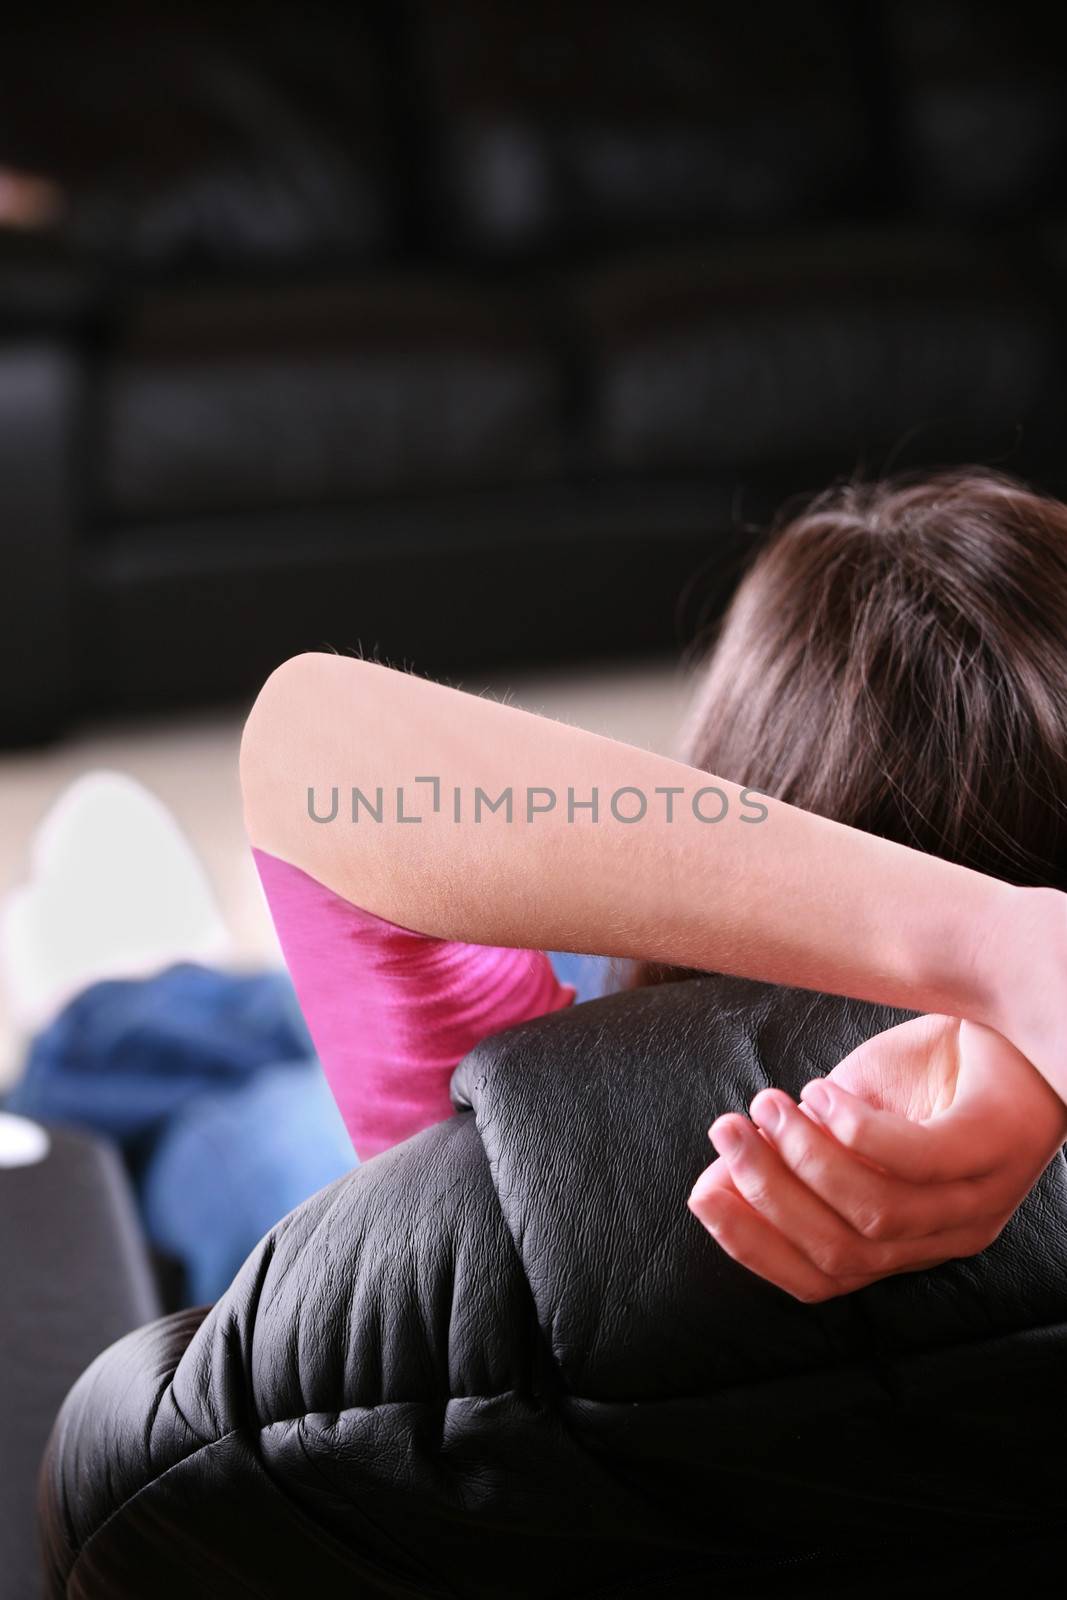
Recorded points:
915,1150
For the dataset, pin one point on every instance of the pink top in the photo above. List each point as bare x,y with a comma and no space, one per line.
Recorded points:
391,1012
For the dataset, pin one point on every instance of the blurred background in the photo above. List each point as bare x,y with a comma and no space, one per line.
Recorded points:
483,338
481,335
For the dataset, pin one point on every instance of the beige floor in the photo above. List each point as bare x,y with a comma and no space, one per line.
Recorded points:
190,763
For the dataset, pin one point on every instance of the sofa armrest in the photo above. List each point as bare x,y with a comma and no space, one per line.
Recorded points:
41,378
45,286
74,1276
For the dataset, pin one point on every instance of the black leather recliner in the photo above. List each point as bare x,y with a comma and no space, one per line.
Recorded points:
502,1359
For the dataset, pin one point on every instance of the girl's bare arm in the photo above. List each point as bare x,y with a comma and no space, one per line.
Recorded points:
766,891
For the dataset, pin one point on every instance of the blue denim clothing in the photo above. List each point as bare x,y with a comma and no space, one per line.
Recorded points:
126,1054
232,1162
591,976
208,1083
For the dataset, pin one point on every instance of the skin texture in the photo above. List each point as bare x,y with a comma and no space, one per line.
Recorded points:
792,899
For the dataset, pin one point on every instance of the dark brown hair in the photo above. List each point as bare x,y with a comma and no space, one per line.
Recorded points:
896,659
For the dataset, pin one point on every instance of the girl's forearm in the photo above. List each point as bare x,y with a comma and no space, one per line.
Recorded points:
766,891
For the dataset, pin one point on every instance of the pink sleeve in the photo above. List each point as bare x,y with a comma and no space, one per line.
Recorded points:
391,1012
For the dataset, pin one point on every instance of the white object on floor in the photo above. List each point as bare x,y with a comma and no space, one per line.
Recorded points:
115,890
22,1142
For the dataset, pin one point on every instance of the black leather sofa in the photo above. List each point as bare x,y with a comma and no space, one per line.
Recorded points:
468,333
503,1360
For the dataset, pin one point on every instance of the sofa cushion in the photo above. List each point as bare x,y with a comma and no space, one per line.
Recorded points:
980,111
217,399
850,349
568,123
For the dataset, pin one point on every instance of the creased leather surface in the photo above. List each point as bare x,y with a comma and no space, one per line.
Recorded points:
503,1359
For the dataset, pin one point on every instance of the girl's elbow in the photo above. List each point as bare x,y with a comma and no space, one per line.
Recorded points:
279,708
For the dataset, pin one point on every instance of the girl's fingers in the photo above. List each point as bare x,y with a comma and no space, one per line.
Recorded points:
752,1172
754,1244
945,1148
784,1254
789,1206
876,1205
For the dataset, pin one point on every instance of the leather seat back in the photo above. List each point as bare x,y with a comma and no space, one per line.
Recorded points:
503,1358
